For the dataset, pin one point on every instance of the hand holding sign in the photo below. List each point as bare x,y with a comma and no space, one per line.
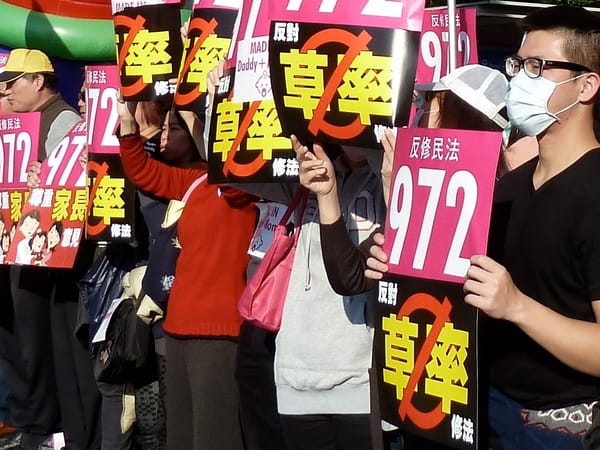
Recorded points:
33,174
377,262
490,287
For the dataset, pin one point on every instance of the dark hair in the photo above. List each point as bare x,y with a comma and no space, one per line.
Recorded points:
578,28
154,111
457,114
50,79
38,233
5,233
180,149
59,227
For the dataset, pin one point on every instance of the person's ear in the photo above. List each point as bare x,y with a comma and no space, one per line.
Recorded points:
590,87
38,81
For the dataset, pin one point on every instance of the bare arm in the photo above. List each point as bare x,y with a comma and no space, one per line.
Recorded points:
489,287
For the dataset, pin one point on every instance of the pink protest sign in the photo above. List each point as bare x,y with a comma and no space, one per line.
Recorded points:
3,59
11,204
433,48
50,227
218,4
63,167
440,201
101,88
403,14
19,135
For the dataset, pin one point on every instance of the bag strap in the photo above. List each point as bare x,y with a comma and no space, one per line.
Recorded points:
193,186
301,195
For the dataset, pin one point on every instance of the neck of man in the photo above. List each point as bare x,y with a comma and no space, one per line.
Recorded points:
561,145
45,95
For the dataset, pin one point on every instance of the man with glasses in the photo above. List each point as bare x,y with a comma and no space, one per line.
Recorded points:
31,85
542,275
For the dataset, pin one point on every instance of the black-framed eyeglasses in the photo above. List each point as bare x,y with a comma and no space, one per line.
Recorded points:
534,67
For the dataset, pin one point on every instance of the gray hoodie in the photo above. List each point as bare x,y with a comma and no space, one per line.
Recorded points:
324,346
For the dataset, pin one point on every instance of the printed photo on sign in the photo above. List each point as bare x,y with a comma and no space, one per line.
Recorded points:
426,350
149,50
440,201
341,84
246,140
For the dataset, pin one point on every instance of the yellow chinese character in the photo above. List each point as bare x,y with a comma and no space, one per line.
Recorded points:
79,207
228,119
108,202
446,372
399,351
303,80
62,198
147,55
213,49
16,205
264,132
366,87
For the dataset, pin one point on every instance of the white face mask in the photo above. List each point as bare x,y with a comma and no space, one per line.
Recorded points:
527,103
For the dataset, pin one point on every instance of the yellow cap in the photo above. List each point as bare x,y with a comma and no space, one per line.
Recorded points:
22,61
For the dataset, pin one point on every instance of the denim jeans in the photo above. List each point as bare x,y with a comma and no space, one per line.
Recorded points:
505,420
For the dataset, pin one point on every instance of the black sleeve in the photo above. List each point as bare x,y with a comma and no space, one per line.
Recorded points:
345,263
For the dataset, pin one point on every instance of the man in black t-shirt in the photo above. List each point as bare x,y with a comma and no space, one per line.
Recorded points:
542,275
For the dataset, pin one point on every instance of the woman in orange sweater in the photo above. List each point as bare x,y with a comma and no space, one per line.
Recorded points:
202,322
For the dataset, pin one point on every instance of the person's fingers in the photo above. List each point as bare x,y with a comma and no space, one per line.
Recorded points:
373,274
379,239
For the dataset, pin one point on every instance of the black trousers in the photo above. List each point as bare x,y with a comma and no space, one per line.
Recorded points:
261,423
27,353
78,394
202,395
112,408
327,431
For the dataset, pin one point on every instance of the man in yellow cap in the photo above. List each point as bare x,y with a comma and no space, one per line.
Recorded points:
31,85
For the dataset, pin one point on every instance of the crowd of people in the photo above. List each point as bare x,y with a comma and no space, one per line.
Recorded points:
224,383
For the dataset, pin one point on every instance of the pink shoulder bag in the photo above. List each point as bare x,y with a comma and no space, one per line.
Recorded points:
264,296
